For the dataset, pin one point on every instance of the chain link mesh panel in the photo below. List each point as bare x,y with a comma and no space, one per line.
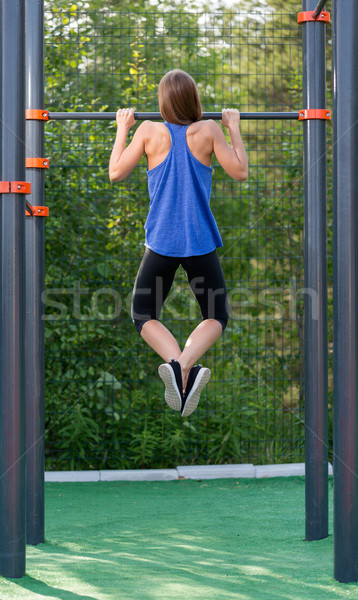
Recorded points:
105,404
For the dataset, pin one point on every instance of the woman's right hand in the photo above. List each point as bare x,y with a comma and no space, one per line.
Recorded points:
230,117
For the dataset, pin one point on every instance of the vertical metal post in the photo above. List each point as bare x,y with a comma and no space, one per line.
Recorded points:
345,269
34,325
12,417
316,378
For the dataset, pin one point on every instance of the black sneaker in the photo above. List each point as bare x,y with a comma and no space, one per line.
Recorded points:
197,380
170,373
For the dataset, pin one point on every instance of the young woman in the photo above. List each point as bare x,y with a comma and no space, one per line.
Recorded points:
180,228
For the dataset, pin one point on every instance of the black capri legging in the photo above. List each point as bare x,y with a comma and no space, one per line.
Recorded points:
155,277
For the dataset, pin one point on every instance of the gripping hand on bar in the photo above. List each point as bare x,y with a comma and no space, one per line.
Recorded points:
230,116
125,117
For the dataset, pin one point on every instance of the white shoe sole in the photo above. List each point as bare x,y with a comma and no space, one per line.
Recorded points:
172,395
192,400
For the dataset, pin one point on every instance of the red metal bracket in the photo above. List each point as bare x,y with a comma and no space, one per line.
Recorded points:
35,114
37,163
37,211
307,16
314,113
15,187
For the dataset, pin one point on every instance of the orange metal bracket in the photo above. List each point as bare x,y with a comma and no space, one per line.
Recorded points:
306,16
15,187
314,113
37,163
37,211
35,114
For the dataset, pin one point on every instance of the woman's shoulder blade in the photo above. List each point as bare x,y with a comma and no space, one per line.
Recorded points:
152,125
207,127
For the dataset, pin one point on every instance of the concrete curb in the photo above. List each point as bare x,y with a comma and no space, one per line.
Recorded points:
192,472
71,476
140,475
217,472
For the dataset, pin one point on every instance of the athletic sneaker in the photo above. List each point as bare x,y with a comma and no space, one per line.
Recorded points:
197,380
170,373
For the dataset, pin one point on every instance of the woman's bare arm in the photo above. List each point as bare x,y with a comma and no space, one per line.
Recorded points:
123,160
232,158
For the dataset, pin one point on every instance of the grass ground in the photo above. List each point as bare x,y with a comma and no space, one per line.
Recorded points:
217,539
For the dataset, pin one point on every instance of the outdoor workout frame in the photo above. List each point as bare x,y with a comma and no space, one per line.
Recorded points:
22,356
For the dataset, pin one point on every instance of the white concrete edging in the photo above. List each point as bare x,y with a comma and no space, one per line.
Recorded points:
192,472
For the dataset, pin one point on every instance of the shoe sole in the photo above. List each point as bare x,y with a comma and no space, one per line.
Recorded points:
172,395
192,400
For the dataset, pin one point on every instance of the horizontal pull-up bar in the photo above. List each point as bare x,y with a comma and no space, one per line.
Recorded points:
156,116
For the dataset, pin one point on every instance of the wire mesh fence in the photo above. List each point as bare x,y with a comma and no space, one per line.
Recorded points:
105,406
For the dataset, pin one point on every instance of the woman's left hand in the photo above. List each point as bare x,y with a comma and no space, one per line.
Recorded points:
125,118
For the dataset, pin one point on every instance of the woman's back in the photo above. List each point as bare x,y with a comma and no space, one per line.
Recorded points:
158,143
180,222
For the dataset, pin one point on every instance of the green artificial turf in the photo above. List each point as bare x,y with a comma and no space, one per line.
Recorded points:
217,539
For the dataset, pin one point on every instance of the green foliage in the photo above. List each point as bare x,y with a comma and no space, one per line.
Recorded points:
105,404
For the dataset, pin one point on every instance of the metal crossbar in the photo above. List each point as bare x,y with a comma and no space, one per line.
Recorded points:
156,116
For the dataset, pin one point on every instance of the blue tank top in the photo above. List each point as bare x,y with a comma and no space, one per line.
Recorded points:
180,222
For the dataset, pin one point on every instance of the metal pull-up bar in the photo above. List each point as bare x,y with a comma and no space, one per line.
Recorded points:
156,116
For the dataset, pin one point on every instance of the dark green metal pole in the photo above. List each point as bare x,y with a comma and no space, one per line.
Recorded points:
345,270
316,373
12,405
34,325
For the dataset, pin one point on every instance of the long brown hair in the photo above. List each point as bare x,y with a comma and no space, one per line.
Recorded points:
179,101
